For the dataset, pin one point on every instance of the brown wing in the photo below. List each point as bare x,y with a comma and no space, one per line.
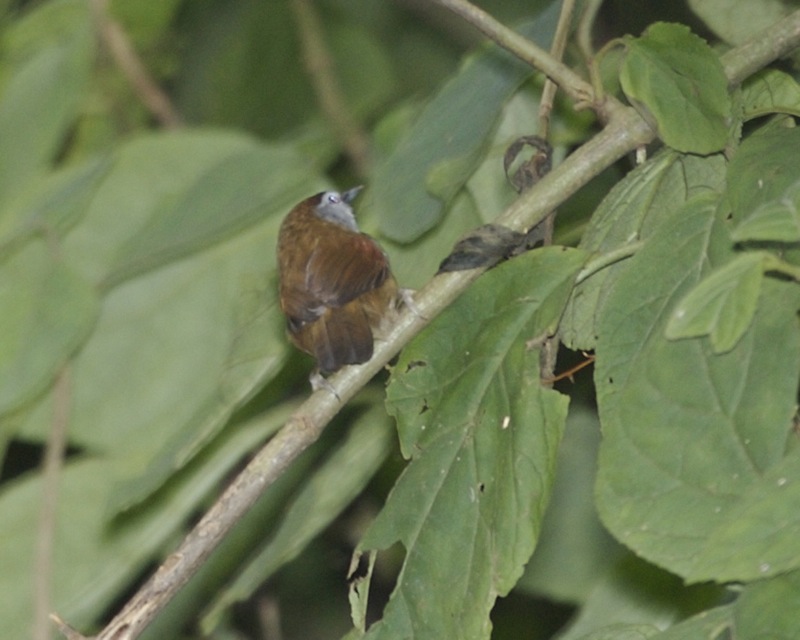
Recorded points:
356,265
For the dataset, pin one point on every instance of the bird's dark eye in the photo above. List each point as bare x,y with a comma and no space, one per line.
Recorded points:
333,198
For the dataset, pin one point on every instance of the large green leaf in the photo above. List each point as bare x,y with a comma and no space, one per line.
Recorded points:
773,221
709,625
677,82
53,204
687,432
201,322
228,184
483,434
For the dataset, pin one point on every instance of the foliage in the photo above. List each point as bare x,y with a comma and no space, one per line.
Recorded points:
659,499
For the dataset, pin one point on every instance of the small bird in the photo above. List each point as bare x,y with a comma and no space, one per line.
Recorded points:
336,287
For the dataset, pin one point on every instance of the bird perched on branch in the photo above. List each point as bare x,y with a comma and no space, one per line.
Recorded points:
336,287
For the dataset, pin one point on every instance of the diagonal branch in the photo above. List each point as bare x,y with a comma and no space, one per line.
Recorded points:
624,132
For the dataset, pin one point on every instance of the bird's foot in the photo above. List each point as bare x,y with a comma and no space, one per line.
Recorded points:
318,381
407,298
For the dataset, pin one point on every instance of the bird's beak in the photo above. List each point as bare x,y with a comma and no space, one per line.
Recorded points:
350,195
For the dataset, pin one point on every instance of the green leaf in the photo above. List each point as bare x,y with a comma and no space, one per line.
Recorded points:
633,209
623,632
722,305
48,56
676,81
232,194
770,91
574,550
201,323
764,170
483,434
712,624
768,609
61,199
242,334
451,132
736,21
773,221
687,432
636,596
758,537
48,311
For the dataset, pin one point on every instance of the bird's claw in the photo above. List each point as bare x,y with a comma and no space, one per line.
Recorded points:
318,381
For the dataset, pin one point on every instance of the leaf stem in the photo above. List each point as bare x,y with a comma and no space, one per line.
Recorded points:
607,259
774,264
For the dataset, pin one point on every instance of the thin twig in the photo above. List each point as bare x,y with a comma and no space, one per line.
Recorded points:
68,632
557,51
122,51
624,132
570,82
321,69
585,44
549,352
46,531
